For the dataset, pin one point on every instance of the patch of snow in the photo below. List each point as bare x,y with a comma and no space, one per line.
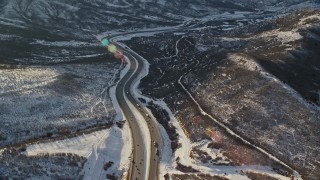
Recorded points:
114,148
281,36
184,151
15,21
179,33
130,36
304,21
152,17
6,37
81,145
314,16
12,24
118,6
202,48
136,33
166,151
68,6
226,16
228,29
229,39
65,43
289,36
247,62
67,57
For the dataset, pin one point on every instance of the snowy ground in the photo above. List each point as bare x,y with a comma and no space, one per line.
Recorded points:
99,148
106,151
36,101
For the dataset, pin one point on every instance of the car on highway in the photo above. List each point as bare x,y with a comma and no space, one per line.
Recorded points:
157,152
155,144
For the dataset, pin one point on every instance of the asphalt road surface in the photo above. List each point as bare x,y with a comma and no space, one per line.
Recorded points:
123,93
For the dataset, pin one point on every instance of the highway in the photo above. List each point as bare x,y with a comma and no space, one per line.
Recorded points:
137,66
131,106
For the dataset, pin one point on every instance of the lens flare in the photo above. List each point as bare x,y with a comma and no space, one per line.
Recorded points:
105,43
112,48
118,54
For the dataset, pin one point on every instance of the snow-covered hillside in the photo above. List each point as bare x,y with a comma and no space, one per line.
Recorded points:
227,63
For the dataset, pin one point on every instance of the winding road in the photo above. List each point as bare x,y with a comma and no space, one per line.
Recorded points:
142,166
146,156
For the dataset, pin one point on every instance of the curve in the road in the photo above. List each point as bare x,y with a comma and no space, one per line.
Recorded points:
141,166
152,125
